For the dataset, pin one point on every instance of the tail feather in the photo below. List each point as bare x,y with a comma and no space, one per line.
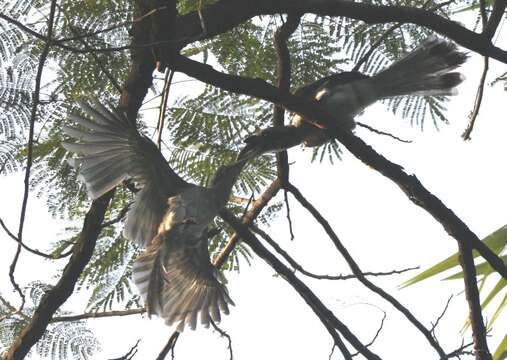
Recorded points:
424,71
178,282
101,115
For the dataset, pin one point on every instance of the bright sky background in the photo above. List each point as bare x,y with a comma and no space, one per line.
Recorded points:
382,229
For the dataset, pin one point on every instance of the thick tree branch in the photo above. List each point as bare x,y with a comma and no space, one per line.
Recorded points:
224,15
139,78
494,19
53,299
323,313
247,219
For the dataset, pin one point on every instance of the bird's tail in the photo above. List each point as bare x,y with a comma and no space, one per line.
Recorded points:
427,70
178,282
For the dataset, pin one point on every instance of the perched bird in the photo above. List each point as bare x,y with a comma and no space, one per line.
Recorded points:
426,71
169,216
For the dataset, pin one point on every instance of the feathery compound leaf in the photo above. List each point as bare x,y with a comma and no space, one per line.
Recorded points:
68,340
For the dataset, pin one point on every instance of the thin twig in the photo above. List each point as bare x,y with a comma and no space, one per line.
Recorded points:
478,101
459,351
29,157
434,325
130,354
118,218
357,271
291,232
227,336
29,249
379,132
163,105
303,271
245,210
12,310
53,299
98,315
95,57
102,67
381,326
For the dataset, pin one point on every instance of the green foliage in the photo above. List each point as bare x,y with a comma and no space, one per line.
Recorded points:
206,132
497,242
64,340
109,271
205,125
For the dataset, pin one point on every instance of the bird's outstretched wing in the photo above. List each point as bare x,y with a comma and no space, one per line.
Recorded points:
177,280
111,150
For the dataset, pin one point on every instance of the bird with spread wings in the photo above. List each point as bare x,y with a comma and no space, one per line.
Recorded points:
169,216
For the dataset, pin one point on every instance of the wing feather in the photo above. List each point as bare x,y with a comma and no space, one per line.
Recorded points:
111,150
191,285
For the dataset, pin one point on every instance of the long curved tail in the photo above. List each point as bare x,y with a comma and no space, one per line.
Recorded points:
427,70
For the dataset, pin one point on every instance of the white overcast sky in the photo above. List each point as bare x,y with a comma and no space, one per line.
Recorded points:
382,229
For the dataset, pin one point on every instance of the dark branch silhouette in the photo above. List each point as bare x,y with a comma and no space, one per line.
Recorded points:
359,273
54,298
29,157
330,321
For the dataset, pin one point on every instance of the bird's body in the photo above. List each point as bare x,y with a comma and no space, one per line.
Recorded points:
426,71
169,216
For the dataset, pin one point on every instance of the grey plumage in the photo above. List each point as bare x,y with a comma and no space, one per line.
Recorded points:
169,216
426,71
